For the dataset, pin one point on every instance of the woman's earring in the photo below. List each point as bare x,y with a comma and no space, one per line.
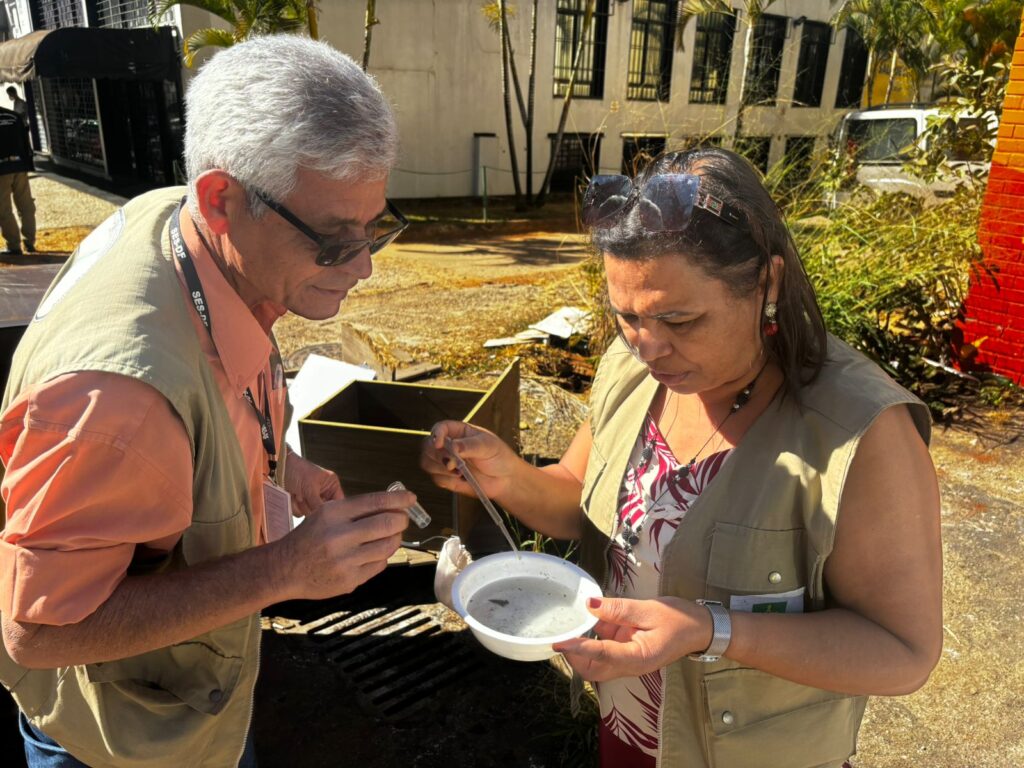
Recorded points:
771,326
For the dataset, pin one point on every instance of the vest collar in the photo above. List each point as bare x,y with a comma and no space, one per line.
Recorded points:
240,333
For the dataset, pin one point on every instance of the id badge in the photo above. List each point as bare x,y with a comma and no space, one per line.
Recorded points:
781,602
277,508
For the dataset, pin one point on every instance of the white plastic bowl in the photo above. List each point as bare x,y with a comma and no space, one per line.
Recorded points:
505,565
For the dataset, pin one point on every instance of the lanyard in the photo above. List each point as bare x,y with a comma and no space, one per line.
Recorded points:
195,289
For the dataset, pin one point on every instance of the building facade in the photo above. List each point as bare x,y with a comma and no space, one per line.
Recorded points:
638,88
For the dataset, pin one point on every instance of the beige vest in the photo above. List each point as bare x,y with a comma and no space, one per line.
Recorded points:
771,509
117,306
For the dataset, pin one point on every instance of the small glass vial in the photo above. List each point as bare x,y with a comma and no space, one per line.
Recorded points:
416,513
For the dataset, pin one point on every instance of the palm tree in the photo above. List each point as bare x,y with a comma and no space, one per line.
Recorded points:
248,18
896,29
370,22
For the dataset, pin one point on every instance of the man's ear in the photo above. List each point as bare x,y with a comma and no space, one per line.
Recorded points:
220,200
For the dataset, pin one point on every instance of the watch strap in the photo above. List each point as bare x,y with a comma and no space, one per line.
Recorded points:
721,632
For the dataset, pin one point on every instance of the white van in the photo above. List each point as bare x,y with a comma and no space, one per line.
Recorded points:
880,141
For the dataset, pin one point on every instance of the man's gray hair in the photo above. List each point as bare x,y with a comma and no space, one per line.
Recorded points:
262,109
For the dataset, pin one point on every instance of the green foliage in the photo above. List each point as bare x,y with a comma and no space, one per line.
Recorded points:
890,278
248,18
891,27
976,33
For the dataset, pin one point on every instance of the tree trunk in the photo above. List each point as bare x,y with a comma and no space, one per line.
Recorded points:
531,87
311,21
588,17
892,78
370,22
742,107
506,98
515,75
872,66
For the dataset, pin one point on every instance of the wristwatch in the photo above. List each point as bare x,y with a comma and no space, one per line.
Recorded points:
721,632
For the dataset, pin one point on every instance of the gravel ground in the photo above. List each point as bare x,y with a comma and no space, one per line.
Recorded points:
62,202
429,298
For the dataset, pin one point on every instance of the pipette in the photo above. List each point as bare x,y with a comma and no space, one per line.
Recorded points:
488,504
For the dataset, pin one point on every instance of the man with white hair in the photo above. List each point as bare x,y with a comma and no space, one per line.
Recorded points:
147,488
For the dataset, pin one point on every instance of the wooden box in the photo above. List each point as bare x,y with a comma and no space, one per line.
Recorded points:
370,433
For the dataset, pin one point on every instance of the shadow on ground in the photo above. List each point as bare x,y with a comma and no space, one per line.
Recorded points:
462,708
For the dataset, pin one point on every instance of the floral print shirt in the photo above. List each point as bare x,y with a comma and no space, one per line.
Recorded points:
656,493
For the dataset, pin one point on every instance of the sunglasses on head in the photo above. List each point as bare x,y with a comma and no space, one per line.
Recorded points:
666,202
334,250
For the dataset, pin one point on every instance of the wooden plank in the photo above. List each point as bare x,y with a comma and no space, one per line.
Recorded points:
498,409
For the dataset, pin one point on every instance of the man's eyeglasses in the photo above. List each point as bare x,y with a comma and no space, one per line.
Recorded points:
335,250
666,202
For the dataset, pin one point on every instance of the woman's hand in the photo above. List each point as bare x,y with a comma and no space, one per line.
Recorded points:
489,458
310,485
635,637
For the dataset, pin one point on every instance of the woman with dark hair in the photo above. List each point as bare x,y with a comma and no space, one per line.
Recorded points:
756,497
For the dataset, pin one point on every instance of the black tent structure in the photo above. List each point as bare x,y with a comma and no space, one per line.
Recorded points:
106,102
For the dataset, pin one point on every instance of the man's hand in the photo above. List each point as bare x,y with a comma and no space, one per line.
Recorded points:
638,636
347,542
311,486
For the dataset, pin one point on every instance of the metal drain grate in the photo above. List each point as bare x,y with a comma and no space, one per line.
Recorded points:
396,655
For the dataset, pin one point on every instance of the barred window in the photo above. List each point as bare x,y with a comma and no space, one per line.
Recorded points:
578,158
851,75
765,60
72,120
712,54
810,68
755,149
124,14
638,151
54,14
568,31
650,50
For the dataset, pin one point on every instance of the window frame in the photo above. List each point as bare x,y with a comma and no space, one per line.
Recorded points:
644,33
643,144
812,64
855,54
592,61
714,60
764,68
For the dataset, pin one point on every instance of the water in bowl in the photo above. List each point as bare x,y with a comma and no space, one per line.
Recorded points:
527,606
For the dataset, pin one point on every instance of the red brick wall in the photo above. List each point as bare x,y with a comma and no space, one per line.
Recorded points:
994,311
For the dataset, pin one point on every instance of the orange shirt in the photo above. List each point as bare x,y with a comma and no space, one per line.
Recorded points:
99,466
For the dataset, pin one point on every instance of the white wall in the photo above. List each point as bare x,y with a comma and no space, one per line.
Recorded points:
439,63
20,18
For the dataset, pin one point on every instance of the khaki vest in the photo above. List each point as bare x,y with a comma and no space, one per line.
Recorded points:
117,306
771,509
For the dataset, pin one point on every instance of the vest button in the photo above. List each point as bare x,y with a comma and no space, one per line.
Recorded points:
216,695
728,718
774,577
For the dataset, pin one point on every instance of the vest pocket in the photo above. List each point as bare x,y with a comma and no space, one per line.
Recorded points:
755,561
208,539
191,673
755,719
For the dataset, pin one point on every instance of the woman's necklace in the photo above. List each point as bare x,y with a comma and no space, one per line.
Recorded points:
629,536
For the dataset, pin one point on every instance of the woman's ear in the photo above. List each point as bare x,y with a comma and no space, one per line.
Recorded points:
776,266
